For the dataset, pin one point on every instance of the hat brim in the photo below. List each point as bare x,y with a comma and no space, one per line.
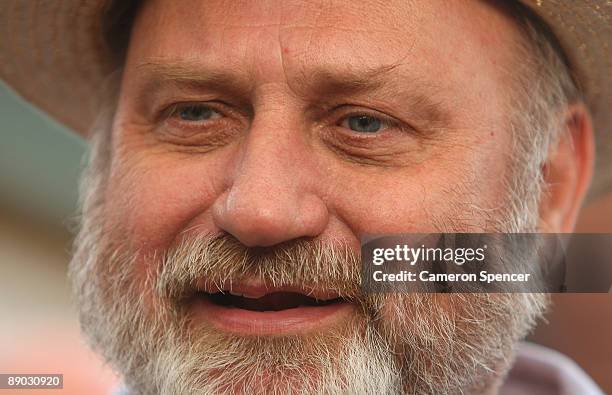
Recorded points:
53,54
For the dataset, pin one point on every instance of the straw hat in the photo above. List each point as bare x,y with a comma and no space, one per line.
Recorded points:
54,55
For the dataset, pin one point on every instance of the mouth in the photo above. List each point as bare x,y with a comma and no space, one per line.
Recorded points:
277,301
254,309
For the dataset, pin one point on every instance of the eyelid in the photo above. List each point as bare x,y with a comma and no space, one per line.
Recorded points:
212,133
385,124
352,111
171,110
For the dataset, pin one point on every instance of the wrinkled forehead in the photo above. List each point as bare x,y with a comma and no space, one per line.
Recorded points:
438,43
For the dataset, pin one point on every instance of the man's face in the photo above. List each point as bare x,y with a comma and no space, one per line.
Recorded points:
273,121
253,145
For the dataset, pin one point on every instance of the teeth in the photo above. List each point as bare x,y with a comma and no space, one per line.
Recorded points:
250,295
253,295
258,294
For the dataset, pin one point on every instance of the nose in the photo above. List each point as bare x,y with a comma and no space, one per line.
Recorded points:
272,195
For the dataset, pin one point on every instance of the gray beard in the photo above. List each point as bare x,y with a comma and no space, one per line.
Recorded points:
410,343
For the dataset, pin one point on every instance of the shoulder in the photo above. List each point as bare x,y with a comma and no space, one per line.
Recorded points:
540,370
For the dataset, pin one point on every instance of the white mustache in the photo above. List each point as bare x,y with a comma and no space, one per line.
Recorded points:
217,261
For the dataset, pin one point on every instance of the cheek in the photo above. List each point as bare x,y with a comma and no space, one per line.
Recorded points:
152,199
455,189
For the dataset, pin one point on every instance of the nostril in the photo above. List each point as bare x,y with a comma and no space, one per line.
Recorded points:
266,217
256,226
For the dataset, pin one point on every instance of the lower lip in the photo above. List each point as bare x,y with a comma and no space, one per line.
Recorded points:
256,323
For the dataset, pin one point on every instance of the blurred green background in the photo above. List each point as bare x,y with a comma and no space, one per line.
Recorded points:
39,162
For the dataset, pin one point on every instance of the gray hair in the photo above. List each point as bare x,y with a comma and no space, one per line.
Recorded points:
543,89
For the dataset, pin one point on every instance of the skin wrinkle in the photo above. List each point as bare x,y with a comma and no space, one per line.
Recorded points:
322,11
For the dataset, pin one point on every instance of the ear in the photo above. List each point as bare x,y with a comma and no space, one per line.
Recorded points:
567,172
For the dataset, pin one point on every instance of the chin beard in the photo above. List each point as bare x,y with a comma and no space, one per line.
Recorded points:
397,343
346,361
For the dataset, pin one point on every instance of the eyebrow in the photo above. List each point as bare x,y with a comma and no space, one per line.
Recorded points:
192,75
321,81
350,81
423,96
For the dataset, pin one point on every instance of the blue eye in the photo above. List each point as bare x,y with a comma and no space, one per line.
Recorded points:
363,123
196,113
